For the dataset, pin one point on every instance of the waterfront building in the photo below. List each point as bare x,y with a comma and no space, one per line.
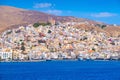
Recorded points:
6,54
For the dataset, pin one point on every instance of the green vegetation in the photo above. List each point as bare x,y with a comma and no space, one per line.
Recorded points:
38,24
49,31
22,46
101,25
93,49
21,40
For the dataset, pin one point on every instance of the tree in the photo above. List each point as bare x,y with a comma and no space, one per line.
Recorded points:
99,25
103,26
49,31
93,49
23,48
43,24
60,44
36,25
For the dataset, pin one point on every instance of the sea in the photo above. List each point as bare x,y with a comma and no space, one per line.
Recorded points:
60,70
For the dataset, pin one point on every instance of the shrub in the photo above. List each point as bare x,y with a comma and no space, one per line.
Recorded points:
36,25
103,26
43,24
49,31
22,48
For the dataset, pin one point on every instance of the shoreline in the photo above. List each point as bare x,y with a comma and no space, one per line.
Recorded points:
55,60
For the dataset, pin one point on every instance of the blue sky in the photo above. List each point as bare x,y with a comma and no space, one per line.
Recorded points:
107,11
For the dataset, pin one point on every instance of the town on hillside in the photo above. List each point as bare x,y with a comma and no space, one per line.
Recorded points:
57,41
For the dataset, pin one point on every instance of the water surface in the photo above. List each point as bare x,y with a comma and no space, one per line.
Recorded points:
60,70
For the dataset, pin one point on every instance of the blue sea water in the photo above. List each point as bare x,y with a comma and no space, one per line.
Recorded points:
60,70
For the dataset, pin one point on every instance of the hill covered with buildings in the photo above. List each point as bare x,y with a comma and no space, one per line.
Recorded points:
33,35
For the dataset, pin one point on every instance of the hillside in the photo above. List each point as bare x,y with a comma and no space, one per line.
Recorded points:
113,31
11,17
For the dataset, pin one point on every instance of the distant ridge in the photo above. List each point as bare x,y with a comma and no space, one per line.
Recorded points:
10,16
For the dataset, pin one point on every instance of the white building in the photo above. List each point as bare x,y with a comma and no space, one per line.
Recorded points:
6,54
